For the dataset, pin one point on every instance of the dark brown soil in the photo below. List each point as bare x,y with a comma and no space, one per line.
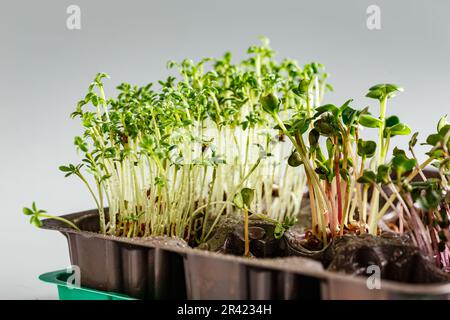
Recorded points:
395,255
262,241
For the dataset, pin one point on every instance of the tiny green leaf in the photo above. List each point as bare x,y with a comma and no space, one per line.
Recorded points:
247,196
434,139
349,115
413,140
442,122
64,169
369,121
402,164
278,231
429,201
375,94
270,103
78,141
397,152
326,126
28,211
383,173
391,121
444,130
302,88
35,220
368,177
345,105
366,148
383,90
400,129
294,159
313,138
326,108
299,126
238,200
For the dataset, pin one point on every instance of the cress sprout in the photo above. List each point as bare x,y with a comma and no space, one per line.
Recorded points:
170,160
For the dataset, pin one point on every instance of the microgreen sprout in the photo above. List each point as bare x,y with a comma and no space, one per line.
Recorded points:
243,200
170,161
423,206
280,227
328,145
36,215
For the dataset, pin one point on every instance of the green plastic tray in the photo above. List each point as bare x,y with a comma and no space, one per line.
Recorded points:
65,292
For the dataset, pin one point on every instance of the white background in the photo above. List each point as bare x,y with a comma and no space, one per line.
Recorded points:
45,69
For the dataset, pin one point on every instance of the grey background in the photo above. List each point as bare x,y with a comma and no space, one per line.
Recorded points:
45,69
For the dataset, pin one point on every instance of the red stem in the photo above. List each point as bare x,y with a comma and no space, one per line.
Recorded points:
331,215
434,241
